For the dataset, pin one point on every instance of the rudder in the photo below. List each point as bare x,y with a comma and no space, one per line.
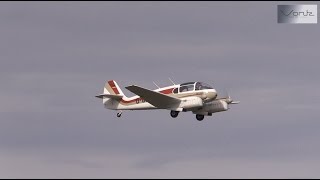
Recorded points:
111,87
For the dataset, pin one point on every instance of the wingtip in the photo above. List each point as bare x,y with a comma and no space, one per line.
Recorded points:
131,86
128,86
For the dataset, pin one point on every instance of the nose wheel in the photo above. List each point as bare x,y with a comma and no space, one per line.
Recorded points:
199,117
119,114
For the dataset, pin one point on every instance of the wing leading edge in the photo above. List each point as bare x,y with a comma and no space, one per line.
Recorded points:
157,99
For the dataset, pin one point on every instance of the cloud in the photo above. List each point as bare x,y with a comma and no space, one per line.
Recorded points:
56,57
72,163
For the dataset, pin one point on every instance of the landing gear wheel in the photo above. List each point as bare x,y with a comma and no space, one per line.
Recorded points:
119,114
174,114
199,117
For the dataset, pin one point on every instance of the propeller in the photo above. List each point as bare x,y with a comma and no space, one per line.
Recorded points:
229,100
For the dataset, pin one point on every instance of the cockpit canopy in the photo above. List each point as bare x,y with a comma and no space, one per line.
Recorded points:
191,86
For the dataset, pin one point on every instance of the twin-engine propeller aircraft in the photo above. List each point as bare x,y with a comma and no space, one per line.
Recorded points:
198,97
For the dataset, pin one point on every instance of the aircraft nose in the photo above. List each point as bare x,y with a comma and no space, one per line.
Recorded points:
212,94
215,93
213,90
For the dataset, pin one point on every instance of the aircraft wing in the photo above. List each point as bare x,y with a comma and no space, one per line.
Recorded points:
109,96
157,99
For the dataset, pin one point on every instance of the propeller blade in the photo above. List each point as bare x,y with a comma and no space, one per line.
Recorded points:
229,100
235,102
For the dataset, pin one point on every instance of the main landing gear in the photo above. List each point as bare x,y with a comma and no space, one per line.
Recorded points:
119,114
174,114
199,117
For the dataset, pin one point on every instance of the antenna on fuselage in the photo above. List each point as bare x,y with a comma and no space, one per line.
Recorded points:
156,85
172,82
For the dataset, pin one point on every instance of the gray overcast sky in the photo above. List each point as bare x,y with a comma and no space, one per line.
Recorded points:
56,56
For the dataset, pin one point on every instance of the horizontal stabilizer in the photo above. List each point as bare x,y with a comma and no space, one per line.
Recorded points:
157,99
109,96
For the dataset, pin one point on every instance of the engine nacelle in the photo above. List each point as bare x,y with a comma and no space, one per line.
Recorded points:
191,102
215,106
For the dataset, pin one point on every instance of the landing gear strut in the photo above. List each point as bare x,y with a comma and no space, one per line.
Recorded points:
174,114
199,117
119,114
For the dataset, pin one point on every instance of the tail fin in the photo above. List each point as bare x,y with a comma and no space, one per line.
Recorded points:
112,88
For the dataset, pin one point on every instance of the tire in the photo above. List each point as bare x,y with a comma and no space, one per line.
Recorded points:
174,114
199,117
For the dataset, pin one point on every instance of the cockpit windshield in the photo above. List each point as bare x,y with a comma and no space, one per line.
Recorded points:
201,86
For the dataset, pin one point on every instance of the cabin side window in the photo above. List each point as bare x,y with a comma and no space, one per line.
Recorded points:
186,88
175,91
